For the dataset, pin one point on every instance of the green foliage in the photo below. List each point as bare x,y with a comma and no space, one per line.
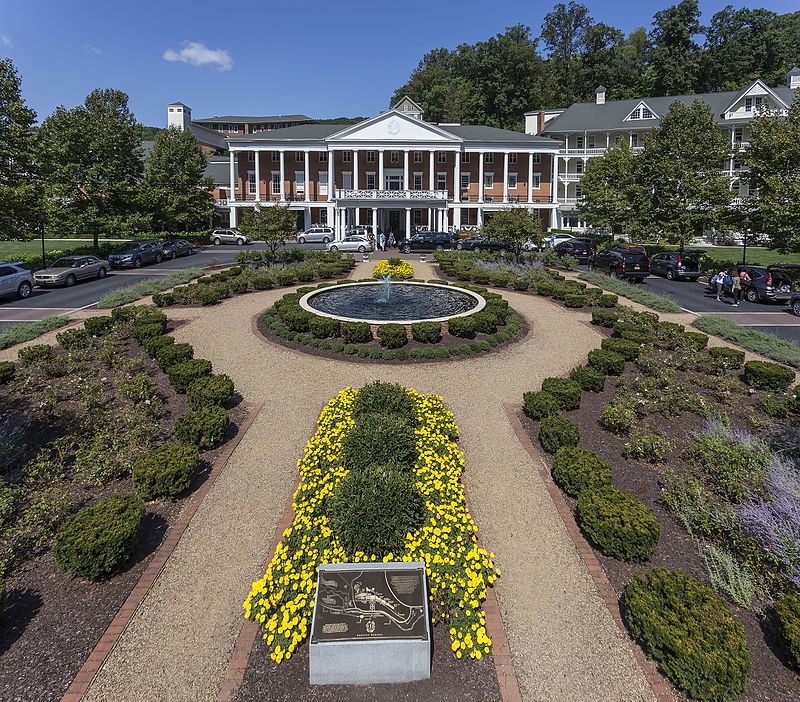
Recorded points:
356,332
35,355
588,378
575,301
7,370
272,225
576,469
768,376
567,392
632,292
607,300
767,345
427,332
539,405
148,329
730,358
486,322
787,614
618,524
168,355
696,509
73,339
462,327
605,318
515,225
690,632
204,428
775,406
99,326
22,332
608,362
379,439
729,577
372,509
166,471
99,539
392,336
136,291
385,398
697,340
618,417
628,349
183,374
210,390
155,344
556,431
646,446
324,327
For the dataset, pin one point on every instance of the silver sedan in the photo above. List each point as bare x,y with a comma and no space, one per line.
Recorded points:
68,270
352,243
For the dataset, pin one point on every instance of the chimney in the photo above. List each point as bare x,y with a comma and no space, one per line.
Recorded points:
793,78
600,95
179,115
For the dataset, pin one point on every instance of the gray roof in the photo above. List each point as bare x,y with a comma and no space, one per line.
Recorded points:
794,72
239,119
218,169
479,132
208,137
589,116
300,132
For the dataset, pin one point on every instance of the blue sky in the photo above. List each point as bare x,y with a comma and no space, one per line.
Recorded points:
324,59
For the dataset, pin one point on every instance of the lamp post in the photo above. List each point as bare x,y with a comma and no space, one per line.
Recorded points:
746,223
42,220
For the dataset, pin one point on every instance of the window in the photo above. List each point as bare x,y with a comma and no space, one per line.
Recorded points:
488,158
465,157
323,216
371,181
590,141
370,157
393,182
738,134
417,217
299,183
488,180
417,182
441,157
251,156
537,181
537,158
647,113
465,179
299,156
636,114
441,181
512,181
580,142
323,182
251,182
395,157
323,156
512,158
276,182
347,180
618,140
578,192
417,157
276,156
634,140
347,156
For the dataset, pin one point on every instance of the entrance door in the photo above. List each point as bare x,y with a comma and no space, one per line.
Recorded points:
394,222
394,182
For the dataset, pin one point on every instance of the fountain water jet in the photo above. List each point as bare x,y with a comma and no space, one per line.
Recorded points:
387,287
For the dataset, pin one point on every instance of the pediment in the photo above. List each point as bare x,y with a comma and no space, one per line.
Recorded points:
641,111
393,126
757,89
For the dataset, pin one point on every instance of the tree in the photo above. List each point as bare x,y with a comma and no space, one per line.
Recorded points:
564,32
19,188
676,56
515,225
680,167
273,224
174,188
774,178
91,162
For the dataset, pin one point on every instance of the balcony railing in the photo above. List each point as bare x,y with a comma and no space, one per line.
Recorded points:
582,152
570,177
342,194
221,202
570,201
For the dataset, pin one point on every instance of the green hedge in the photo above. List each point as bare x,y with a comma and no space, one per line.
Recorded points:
183,374
427,332
210,390
588,378
99,326
356,332
154,344
392,336
73,339
787,614
204,428
169,355
538,405
35,355
567,392
462,327
324,327
628,349
605,317
556,431
607,362
7,370
730,358
385,398
768,376
166,471
576,469
380,439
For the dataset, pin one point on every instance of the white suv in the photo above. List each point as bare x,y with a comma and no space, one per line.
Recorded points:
323,234
15,280
229,236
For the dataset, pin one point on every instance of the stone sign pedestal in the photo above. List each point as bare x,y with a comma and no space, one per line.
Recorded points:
370,624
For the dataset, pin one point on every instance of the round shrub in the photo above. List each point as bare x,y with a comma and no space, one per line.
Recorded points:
182,375
98,539
618,524
692,634
210,390
628,349
155,343
73,339
171,354
98,326
35,355
462,327
539,405
204,428
372,510
166,471
787,614
618,417
147,330
379,439
576,469
356,332
696,340
323,327
427,332
392,336
486,322
262,282
607,362
607,300
7,370
730,358
768,376
567,392
575,301
588,378
555,432
385,398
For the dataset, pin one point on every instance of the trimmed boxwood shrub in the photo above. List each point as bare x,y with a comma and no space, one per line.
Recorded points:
7,370
210,390
392,336
182,375
692,634
575,301
72,339
356,332
36,354
696,339
379,439
556,431
787,615
296,319
730,358
154,344
171,354
607,300
204,428
608,362
99,539
462,327
262,282
386,398
576,469
628,349
618,524
539,405
324,327
605,318
486,321
567,392
147,330
427,332
166,471
98,326
768,376
285,277
588,378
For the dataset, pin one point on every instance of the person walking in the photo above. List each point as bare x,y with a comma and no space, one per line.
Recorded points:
389,235
382,242
720,283
736,287
392,240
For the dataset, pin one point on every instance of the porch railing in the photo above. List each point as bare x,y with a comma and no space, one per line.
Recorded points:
344,194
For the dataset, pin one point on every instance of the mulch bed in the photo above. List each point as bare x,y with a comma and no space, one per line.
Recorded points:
51,622
452,680
772,680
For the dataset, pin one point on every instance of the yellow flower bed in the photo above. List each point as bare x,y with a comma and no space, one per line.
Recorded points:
399,271
459,571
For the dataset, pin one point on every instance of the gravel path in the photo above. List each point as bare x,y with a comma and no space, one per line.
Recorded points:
564,643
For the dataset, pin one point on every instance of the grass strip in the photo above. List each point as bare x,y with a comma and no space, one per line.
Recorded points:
763,343
656,302
131,293
25,331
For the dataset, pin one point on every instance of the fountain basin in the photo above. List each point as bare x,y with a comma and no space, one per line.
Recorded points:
409,302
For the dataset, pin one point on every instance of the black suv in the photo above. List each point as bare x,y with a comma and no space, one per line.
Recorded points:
137,254
629,262
676,265
478,244
428,241
581,249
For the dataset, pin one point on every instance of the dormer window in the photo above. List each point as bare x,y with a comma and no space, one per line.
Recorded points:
641,111
754,103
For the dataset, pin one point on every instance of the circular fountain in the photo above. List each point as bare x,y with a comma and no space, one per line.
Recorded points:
385,302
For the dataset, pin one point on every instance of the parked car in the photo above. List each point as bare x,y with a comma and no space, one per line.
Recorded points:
352,243
795,302
137,255
531,245
676,265
359,230
622,261
775,283
323,234
15,280
68,270
478,244
429,241
173,248
229,236
581,249
553,240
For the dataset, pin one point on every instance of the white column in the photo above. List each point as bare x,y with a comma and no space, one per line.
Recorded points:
233,216
430,219
553,218
480,216
480,178
530,176
431,173
381,184
331,217
408,212
307,212
233,182
355,175
405,170
457,178
283,177
505,177
258,175
331,183
306,179
358,215
554,180
446,220
375,223
457,218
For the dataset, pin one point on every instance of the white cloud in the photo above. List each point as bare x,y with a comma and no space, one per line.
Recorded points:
6,41
200,55
92,50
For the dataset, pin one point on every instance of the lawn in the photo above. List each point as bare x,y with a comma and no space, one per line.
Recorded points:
12,250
